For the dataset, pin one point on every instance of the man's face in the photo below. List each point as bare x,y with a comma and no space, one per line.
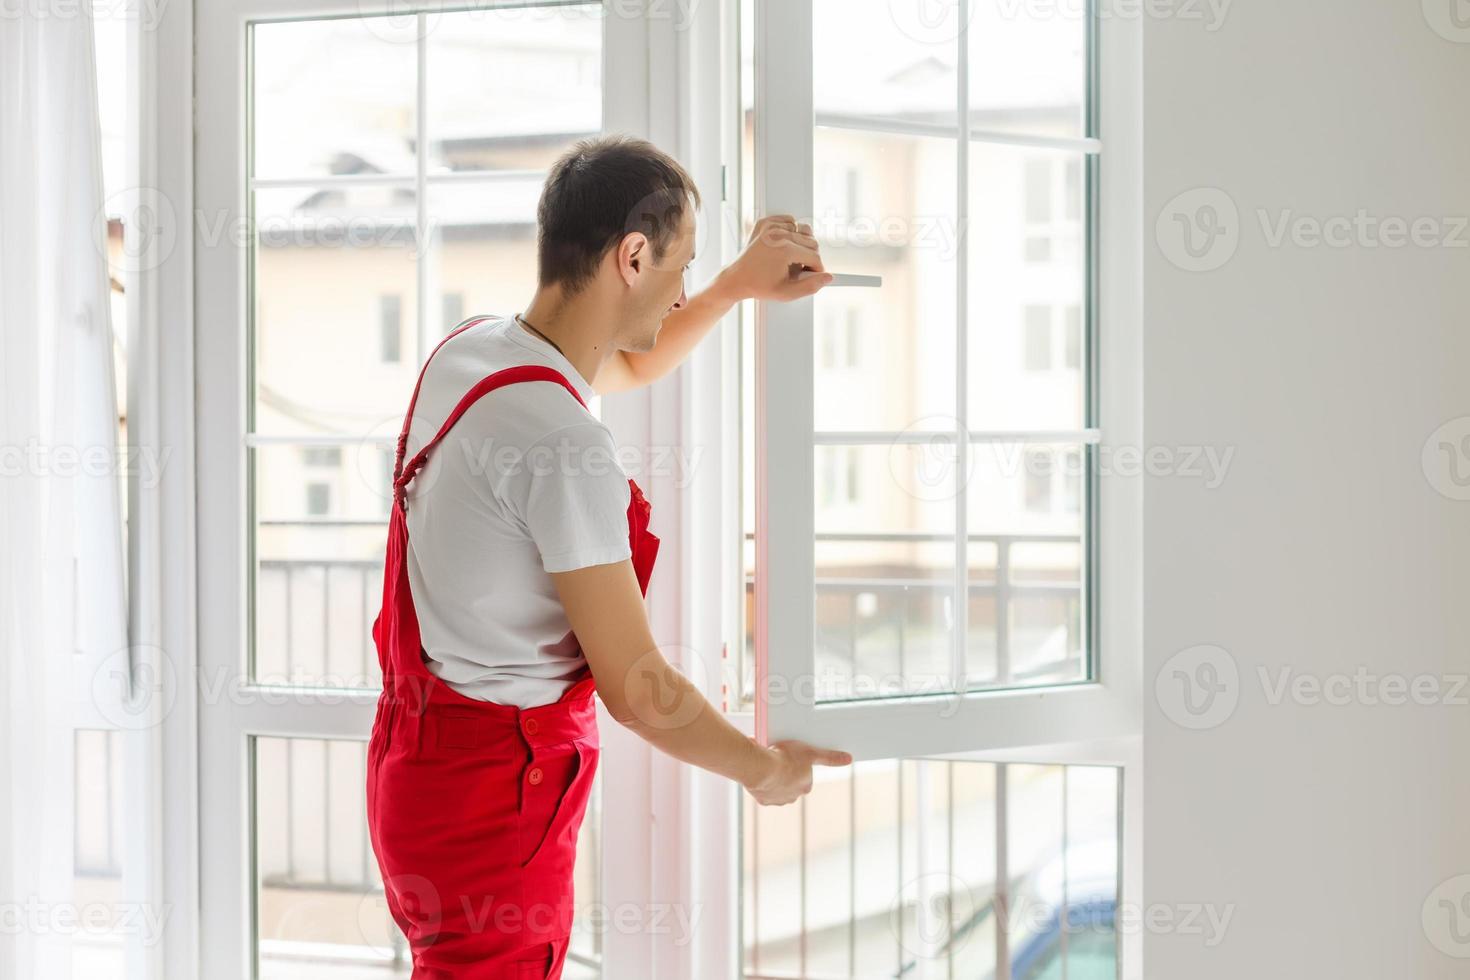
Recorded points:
660,289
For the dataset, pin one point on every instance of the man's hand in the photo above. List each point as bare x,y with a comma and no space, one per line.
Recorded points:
781,262
788,776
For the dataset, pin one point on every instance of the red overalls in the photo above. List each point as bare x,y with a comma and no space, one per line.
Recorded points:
473,807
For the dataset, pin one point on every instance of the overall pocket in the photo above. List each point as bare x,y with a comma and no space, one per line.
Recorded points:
554,789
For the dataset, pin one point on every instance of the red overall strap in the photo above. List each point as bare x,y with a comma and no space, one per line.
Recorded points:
507,376
413,401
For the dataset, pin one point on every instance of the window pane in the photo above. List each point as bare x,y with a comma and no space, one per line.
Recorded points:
1028,67
320,530
889,869
875,59
1036,855
484,245
1025,262
900,374
319,900
99,950
885,559
335,271
334,96
1026,560
1038,337
540,68
1092,873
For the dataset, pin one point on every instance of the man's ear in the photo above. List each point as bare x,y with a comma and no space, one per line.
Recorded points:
633,251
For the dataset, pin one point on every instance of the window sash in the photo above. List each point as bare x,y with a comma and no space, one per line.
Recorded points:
233,709
1102,706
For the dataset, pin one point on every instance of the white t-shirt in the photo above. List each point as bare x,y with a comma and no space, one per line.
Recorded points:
526,483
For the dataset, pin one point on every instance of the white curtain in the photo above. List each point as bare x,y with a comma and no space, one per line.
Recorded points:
62,602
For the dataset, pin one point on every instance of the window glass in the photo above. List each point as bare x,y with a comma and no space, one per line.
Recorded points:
943,404
934,868
353,279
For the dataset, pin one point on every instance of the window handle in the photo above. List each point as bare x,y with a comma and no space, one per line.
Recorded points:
849,279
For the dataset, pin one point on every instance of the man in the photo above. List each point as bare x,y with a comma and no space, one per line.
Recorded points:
518,554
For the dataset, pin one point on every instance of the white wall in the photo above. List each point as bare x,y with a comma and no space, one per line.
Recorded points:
1327,547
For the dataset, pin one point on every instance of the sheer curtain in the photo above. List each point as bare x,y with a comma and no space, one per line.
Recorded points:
62,602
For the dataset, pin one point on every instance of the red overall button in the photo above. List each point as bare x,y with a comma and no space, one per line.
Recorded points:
534,777
532,726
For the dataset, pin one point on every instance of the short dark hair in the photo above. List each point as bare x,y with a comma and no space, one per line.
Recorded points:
601,189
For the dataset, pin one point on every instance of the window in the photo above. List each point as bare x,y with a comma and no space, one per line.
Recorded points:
969,564
390,325
1038,481
1038,338
1072,338
1052,338
318,499
1053,204
936,868
453,310
323,456
384,204
842,339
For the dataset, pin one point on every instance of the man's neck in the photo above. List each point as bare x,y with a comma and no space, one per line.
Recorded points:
579,326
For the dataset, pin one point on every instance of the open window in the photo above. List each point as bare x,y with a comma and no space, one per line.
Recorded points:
929,514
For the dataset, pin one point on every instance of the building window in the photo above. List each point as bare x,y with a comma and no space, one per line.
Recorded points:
838,479
453,310
1073,340
841,347
318,499
390,327
321,456
1040,467
1038,338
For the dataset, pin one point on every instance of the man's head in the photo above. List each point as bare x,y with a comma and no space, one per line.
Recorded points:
617,218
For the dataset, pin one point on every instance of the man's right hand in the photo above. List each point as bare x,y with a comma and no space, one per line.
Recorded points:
788,777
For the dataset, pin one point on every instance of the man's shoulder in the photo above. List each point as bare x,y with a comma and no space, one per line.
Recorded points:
524,413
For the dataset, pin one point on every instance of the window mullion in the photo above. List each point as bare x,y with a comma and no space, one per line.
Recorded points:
421,183
961,617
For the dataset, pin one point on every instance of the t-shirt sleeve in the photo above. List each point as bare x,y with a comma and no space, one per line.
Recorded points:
572,495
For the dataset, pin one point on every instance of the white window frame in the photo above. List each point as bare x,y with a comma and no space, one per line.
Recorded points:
188,327
1108,706
224,939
